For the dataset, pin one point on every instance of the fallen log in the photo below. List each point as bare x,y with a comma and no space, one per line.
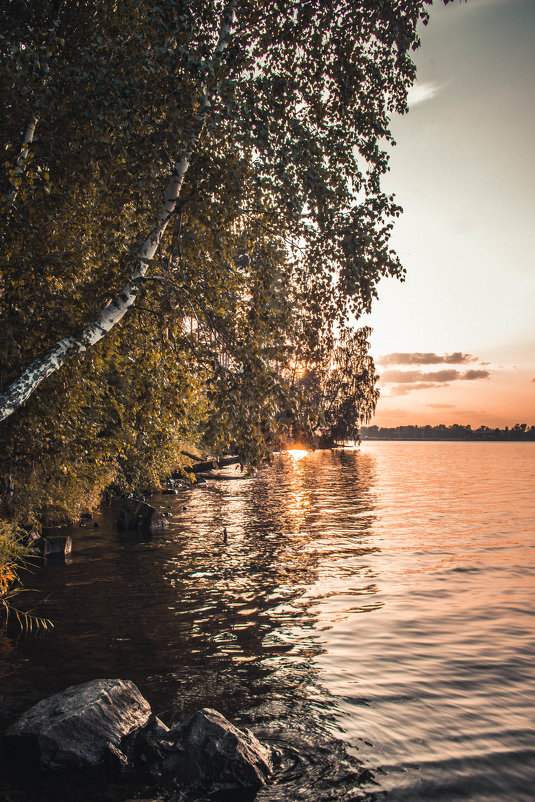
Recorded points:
211,465
189,455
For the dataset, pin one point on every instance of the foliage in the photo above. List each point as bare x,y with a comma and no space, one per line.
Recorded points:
281,229
13,556
338,390
520,431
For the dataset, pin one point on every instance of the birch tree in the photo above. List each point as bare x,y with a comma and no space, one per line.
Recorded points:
191,203
113,311
282,108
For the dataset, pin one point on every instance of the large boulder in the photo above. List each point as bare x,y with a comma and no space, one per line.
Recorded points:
137,514
81,727
107,721
209,754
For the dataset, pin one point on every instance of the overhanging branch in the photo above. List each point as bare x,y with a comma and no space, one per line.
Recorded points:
51,360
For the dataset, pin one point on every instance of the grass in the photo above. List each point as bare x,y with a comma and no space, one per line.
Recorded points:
14,555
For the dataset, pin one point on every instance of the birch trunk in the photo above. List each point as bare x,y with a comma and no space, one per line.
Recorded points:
22,388
16,178
29,132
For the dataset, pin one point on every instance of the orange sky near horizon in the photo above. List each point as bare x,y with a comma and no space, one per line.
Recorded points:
455,342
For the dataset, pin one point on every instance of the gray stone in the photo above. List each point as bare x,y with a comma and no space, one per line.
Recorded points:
79,727
209,754
143,745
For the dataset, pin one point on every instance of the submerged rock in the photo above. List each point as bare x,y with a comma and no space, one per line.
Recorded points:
57,545
137,514
47,546
81,727
207,753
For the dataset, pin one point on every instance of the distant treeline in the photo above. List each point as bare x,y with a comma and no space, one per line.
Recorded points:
520,431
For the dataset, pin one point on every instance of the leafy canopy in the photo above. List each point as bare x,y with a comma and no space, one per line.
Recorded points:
279,234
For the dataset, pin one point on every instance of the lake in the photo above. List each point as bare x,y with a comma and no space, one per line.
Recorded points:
371,607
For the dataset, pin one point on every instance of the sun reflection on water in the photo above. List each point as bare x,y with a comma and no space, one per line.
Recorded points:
297,453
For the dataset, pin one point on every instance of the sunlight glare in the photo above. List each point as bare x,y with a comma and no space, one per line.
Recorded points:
297,453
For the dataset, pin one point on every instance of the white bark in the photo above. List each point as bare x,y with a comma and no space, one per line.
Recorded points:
21,160
29,133
46,364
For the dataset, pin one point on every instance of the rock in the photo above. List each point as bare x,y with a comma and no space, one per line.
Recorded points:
107,723
143,745
48,546
81,727
137,514
208,754
57,545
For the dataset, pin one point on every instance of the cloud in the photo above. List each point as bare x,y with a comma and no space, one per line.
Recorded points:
413,376
441,406
458,358
470,375
403,389
417,358
420,92
407,381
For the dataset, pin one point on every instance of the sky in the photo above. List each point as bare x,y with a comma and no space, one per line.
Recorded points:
455,342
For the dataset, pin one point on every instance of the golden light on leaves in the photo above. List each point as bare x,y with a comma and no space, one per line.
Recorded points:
299,370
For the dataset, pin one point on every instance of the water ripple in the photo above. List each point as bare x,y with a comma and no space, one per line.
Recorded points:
370,608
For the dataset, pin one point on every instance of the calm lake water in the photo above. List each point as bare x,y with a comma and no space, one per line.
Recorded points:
371,606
